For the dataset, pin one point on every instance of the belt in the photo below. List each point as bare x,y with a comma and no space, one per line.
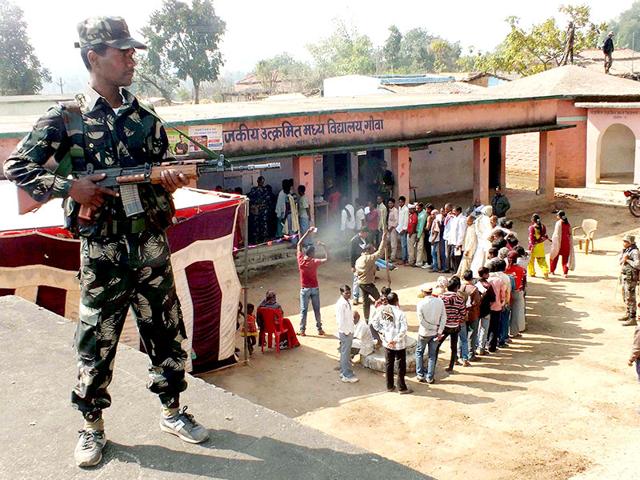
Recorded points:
123,227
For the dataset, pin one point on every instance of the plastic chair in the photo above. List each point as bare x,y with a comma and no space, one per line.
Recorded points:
589,227
272,327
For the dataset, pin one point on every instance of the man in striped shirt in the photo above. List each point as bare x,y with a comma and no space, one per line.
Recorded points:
456,314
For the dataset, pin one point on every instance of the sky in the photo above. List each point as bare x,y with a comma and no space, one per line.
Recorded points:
258,29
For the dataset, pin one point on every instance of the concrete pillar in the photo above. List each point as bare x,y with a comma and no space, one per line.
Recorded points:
401,171
303,175
481,170
592,164
355,178
503,161
547,165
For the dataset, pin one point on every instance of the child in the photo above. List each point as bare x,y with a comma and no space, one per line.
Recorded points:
252,330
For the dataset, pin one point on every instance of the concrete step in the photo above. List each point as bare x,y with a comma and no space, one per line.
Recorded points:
38,427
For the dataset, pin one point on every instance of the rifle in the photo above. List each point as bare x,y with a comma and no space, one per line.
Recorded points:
148,173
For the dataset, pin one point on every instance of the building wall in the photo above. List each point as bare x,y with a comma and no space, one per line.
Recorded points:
599,154
571,151
617,150
442,168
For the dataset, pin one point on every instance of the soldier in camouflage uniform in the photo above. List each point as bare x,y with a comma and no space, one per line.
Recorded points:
630,267
125,258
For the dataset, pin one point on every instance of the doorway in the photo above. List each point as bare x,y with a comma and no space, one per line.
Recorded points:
495,162
616,156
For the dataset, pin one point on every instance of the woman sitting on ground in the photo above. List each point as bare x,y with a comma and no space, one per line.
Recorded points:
270,302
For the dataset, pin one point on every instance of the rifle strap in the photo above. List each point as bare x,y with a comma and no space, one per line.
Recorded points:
72,117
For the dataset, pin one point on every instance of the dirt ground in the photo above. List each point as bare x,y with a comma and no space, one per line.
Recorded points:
561,401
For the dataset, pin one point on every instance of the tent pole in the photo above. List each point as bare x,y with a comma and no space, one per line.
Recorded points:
245,275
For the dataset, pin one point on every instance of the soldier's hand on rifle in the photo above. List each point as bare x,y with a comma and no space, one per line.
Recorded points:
172,180
85,191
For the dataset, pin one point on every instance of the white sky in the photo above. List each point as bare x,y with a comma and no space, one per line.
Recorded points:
259,29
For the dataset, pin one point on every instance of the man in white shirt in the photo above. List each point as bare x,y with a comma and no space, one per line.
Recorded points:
456,235
346,327
447,245
432,317
391,323
382,216
360,215
392,223
347,220
403,224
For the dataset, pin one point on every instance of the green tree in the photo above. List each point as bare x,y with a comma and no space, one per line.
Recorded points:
543,46
186,38
415,53
20,70
391,49
627,26
445,54
154,77
282,68
344,52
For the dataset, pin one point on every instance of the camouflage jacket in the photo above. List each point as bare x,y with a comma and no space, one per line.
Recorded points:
130,137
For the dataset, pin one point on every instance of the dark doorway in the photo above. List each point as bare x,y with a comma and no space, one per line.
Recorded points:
495,161
336,172
371,167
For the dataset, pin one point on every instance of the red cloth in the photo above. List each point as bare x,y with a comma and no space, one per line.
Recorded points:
308,271
372,220
413,222
518,273
334,202
533,241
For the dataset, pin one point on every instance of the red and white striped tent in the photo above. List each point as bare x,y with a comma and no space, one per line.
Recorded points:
39,261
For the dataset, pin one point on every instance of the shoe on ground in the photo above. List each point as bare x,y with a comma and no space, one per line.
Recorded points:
393,389
349,379
630,323
624,319
458,362
421,379
184,426
483,351
430,380
88,452
449,369
302,333
321,332
406,391
475,358
426,266
466,363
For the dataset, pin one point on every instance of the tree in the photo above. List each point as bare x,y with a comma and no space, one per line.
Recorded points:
186,38
344,52
446,55
273,71
154,77
415,53
20,70
627,26
543,46
391,49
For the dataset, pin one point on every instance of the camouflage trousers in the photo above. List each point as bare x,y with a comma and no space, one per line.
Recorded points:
116,273
629,296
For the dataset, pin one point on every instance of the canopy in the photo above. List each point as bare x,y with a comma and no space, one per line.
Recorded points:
39,261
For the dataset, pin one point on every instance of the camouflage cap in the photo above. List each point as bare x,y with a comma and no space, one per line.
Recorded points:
110,31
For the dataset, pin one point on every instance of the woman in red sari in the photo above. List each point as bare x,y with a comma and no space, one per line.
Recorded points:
562,245
270,301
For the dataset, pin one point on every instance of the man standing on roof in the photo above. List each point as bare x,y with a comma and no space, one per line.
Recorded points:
607,49
125,257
